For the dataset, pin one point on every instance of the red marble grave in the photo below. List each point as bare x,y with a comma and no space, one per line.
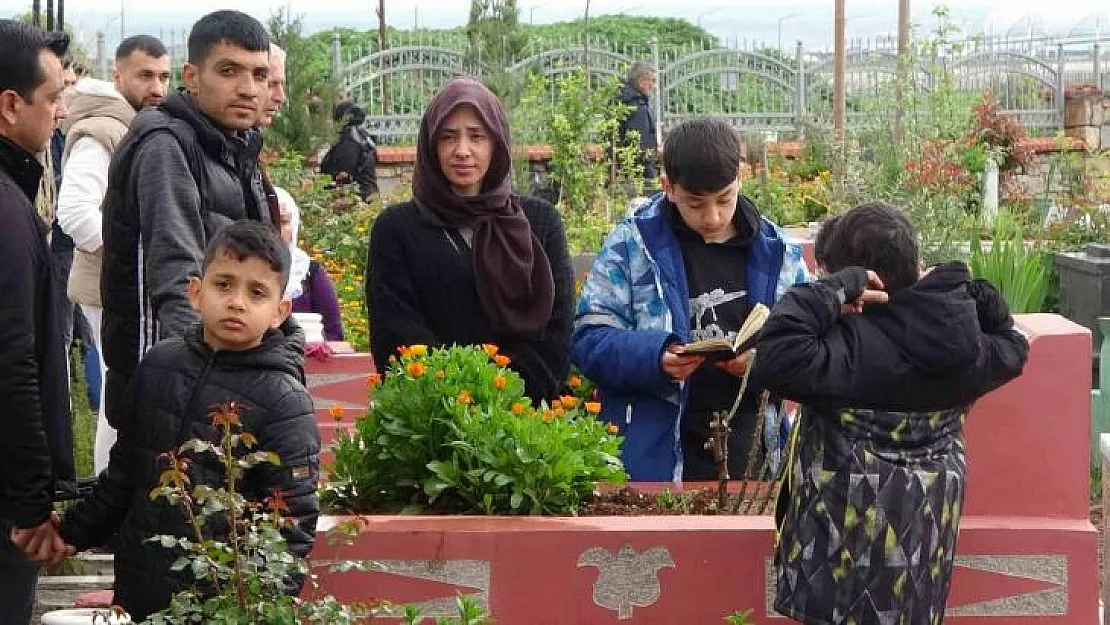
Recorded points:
1027,552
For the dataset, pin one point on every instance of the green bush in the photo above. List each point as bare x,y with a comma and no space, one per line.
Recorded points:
1021,274
450,430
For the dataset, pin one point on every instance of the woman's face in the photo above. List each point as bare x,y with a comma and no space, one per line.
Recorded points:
286,225
465,148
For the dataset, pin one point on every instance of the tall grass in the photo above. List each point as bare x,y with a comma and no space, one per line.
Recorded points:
1022,273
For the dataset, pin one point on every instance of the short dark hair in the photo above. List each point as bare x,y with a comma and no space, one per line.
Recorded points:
251,239
341,109
876,236
20,45
824,235
147,44
227,26
702,155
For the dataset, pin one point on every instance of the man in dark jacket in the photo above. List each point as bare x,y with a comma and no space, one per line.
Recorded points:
636,93
241,352
185,168
33,381
354,157
886,364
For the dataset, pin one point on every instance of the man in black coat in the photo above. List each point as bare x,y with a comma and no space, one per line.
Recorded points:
185,169
33,380
636,93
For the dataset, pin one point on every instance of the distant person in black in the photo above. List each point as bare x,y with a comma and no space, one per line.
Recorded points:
636,93
354,157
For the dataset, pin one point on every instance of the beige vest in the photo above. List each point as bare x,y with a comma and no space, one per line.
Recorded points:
104,119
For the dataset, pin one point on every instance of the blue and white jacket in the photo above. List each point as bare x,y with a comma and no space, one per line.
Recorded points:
635,303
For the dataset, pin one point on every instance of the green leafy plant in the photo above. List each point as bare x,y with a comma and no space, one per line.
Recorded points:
236,552
740,618
451,430
1022,274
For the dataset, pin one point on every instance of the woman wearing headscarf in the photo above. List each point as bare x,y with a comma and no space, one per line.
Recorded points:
467,261
354,157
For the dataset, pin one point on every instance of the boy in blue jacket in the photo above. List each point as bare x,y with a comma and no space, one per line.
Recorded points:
688,266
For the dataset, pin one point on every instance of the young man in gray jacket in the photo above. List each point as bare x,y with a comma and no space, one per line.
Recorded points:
185,169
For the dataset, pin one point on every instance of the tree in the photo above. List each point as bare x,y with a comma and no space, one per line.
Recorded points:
383,45
305,123
36,12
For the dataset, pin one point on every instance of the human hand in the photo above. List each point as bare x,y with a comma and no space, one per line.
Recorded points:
42,543
677,365
737,366
858,287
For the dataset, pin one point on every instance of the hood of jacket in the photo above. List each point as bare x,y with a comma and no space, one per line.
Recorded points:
95,98
282,349
631,95
934,322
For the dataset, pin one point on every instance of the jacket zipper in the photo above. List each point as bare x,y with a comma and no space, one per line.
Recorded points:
194,399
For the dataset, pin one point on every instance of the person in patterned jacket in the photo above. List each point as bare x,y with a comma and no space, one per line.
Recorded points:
886,361
688,266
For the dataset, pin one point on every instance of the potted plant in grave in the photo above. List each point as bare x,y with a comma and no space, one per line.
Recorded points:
450,431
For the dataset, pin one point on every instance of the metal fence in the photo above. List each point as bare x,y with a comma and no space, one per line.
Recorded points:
756,87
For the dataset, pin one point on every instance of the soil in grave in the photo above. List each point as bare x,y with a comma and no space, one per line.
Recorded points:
630,501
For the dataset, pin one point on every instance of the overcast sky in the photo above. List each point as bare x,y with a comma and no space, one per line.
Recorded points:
809,20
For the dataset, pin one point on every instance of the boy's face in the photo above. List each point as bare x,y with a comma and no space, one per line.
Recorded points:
238,300
708,213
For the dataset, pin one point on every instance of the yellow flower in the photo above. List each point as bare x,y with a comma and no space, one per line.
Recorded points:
569,401
593,407
416,369
548,416
418,350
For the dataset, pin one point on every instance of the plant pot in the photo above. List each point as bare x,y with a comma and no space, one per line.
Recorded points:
83,616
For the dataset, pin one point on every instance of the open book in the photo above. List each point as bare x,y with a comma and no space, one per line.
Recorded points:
720,349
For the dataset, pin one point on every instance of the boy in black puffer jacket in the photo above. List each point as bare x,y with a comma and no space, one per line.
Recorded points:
243,351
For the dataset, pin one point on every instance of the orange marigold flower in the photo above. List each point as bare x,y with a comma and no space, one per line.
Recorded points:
613,429
490,349
518,409
574,381
569,401
336,412
593,407
418,350
501,360
416,369
500,382
548,416
374,379
465,397
440,374
559,411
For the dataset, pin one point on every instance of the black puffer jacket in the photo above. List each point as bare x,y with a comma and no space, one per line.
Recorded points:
34,386
183,376
174,181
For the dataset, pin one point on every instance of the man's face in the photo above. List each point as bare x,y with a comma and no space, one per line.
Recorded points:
69,77
709,213
30,122
646,84
276,92
238,301
142,79
230,85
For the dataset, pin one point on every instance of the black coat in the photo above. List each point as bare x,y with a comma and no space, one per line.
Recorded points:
640,118
877,469
168,402
34,385
420,289
174,181
354,158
